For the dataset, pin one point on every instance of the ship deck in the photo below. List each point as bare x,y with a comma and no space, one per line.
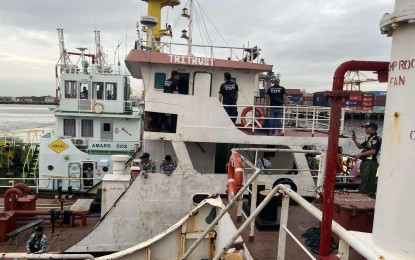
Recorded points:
64,236
265,245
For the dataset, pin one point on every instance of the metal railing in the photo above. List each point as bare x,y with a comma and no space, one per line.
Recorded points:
247,53
36,186
253,166
294,117
23,136
237,198
106,105
346,238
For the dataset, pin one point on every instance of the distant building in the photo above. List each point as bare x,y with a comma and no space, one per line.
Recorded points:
49,99
5,99
24,99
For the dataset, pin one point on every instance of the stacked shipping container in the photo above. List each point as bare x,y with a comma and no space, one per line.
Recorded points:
379,100
367,101
294,96
355,100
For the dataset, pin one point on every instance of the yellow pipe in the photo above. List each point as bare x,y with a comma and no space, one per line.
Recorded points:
154,9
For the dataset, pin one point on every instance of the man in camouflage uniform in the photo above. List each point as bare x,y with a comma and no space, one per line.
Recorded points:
146,165
168,165
37,242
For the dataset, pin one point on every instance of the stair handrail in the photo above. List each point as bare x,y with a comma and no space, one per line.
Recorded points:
31,142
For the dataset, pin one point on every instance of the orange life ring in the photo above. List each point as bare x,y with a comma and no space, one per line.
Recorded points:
258,123
235,175
98,108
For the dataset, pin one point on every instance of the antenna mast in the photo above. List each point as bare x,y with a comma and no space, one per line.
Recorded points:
189,15
64,56
100,60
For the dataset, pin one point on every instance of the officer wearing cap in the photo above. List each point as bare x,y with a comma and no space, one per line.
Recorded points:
37,242
369,165
146,165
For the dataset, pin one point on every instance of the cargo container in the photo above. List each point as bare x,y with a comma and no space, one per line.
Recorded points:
293,91
379,93
366,108
295,98
307,103
320,100
367,94
308,98
355,98
383,98
378,108
352,103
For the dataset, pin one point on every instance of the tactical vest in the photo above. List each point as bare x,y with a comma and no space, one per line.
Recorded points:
369,147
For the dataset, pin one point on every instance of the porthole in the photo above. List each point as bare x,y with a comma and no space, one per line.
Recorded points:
50,167
105,169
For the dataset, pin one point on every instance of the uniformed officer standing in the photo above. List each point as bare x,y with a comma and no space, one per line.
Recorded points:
369,165
277,97
171,85
168,121
228,95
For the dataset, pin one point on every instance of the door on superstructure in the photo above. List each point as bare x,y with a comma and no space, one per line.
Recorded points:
87,174
106,130
202,84
183,85
74,174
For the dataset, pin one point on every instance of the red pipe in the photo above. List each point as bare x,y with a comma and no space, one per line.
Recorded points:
9,195
22,186
337,95
47,213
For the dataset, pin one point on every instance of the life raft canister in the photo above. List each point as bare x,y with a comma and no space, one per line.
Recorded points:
257,123
235,175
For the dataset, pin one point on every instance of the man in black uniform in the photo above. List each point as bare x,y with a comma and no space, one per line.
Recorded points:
168,121
276,96
228,95
369,165
170,85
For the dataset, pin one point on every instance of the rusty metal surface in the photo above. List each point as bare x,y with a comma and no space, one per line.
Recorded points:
354,201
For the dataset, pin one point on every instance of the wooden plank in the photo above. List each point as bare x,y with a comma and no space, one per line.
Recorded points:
23,228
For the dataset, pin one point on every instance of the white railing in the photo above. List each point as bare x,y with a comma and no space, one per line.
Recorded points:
13,138
45,256
294,117
346,238
99,106
252,166
227,52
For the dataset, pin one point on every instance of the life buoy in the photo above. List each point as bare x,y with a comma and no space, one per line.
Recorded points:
258,123
98,108
235,175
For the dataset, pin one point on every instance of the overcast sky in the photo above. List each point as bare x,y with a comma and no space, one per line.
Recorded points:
305,40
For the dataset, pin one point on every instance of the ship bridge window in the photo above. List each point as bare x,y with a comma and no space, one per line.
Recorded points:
87,128
69,127
159,79
98,88
70,89
111,91
84,91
